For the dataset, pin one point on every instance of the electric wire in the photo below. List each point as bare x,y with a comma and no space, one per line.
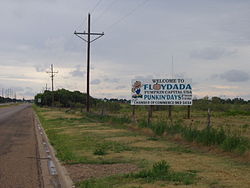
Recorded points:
101,15
81,26
127,15
96,5
91,12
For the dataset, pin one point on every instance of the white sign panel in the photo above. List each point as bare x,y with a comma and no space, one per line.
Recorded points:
161,92
39,100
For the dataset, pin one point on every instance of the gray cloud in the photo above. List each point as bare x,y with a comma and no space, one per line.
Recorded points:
27,92
77,72
144,77
111,80
95,82
196,25
17,89
121,87
235,76
211,53
41,68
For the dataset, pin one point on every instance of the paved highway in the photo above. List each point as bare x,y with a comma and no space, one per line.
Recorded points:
19,167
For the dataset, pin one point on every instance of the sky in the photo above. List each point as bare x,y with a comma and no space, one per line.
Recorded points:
205,40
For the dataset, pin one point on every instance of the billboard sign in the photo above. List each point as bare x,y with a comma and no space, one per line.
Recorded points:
161,92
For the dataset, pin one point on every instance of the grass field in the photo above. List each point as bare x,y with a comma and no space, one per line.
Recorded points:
104,152
3,105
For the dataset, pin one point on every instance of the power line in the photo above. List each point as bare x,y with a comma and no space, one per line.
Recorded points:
92,10
105,10
97,4
82,24
128,14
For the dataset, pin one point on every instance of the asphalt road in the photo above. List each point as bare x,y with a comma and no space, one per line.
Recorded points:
19,166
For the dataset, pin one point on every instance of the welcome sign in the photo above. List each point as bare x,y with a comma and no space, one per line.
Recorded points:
161,92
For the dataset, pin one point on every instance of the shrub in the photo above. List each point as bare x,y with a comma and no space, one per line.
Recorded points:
210,136
100,151
161,168
144,124
235,143
161,172
158,128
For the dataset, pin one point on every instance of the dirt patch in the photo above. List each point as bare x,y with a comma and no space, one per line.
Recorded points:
81,172
90,125
59,114
127,139
150,144
106,131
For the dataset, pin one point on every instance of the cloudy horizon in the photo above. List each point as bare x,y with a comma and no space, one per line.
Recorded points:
209,41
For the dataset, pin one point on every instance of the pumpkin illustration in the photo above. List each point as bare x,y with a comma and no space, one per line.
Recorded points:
156,86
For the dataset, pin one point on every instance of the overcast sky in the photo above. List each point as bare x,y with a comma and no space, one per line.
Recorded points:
208,39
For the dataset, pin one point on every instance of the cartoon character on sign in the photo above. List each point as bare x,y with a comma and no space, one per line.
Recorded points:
136,89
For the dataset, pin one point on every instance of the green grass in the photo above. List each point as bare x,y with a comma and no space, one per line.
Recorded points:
100,150
153,138
94,139
160,171
69,145
245,126
208,136
66,147
108,182
63,146
107,118
8,105
116,147
236,113
179,149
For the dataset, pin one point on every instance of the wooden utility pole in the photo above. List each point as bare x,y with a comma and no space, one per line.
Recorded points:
188,112
209,118
88,41
133,113
52,75
170,112
150,113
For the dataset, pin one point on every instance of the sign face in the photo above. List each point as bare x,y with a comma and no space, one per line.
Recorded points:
161,92
39,100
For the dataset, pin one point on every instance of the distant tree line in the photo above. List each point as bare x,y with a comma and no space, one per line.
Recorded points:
214,104
62,98
8,100
218,100
76,99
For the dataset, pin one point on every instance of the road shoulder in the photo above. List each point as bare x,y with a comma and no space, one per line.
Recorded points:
54,175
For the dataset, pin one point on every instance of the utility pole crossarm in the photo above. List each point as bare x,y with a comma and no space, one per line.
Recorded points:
78,35
99,35
97,38
85,33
